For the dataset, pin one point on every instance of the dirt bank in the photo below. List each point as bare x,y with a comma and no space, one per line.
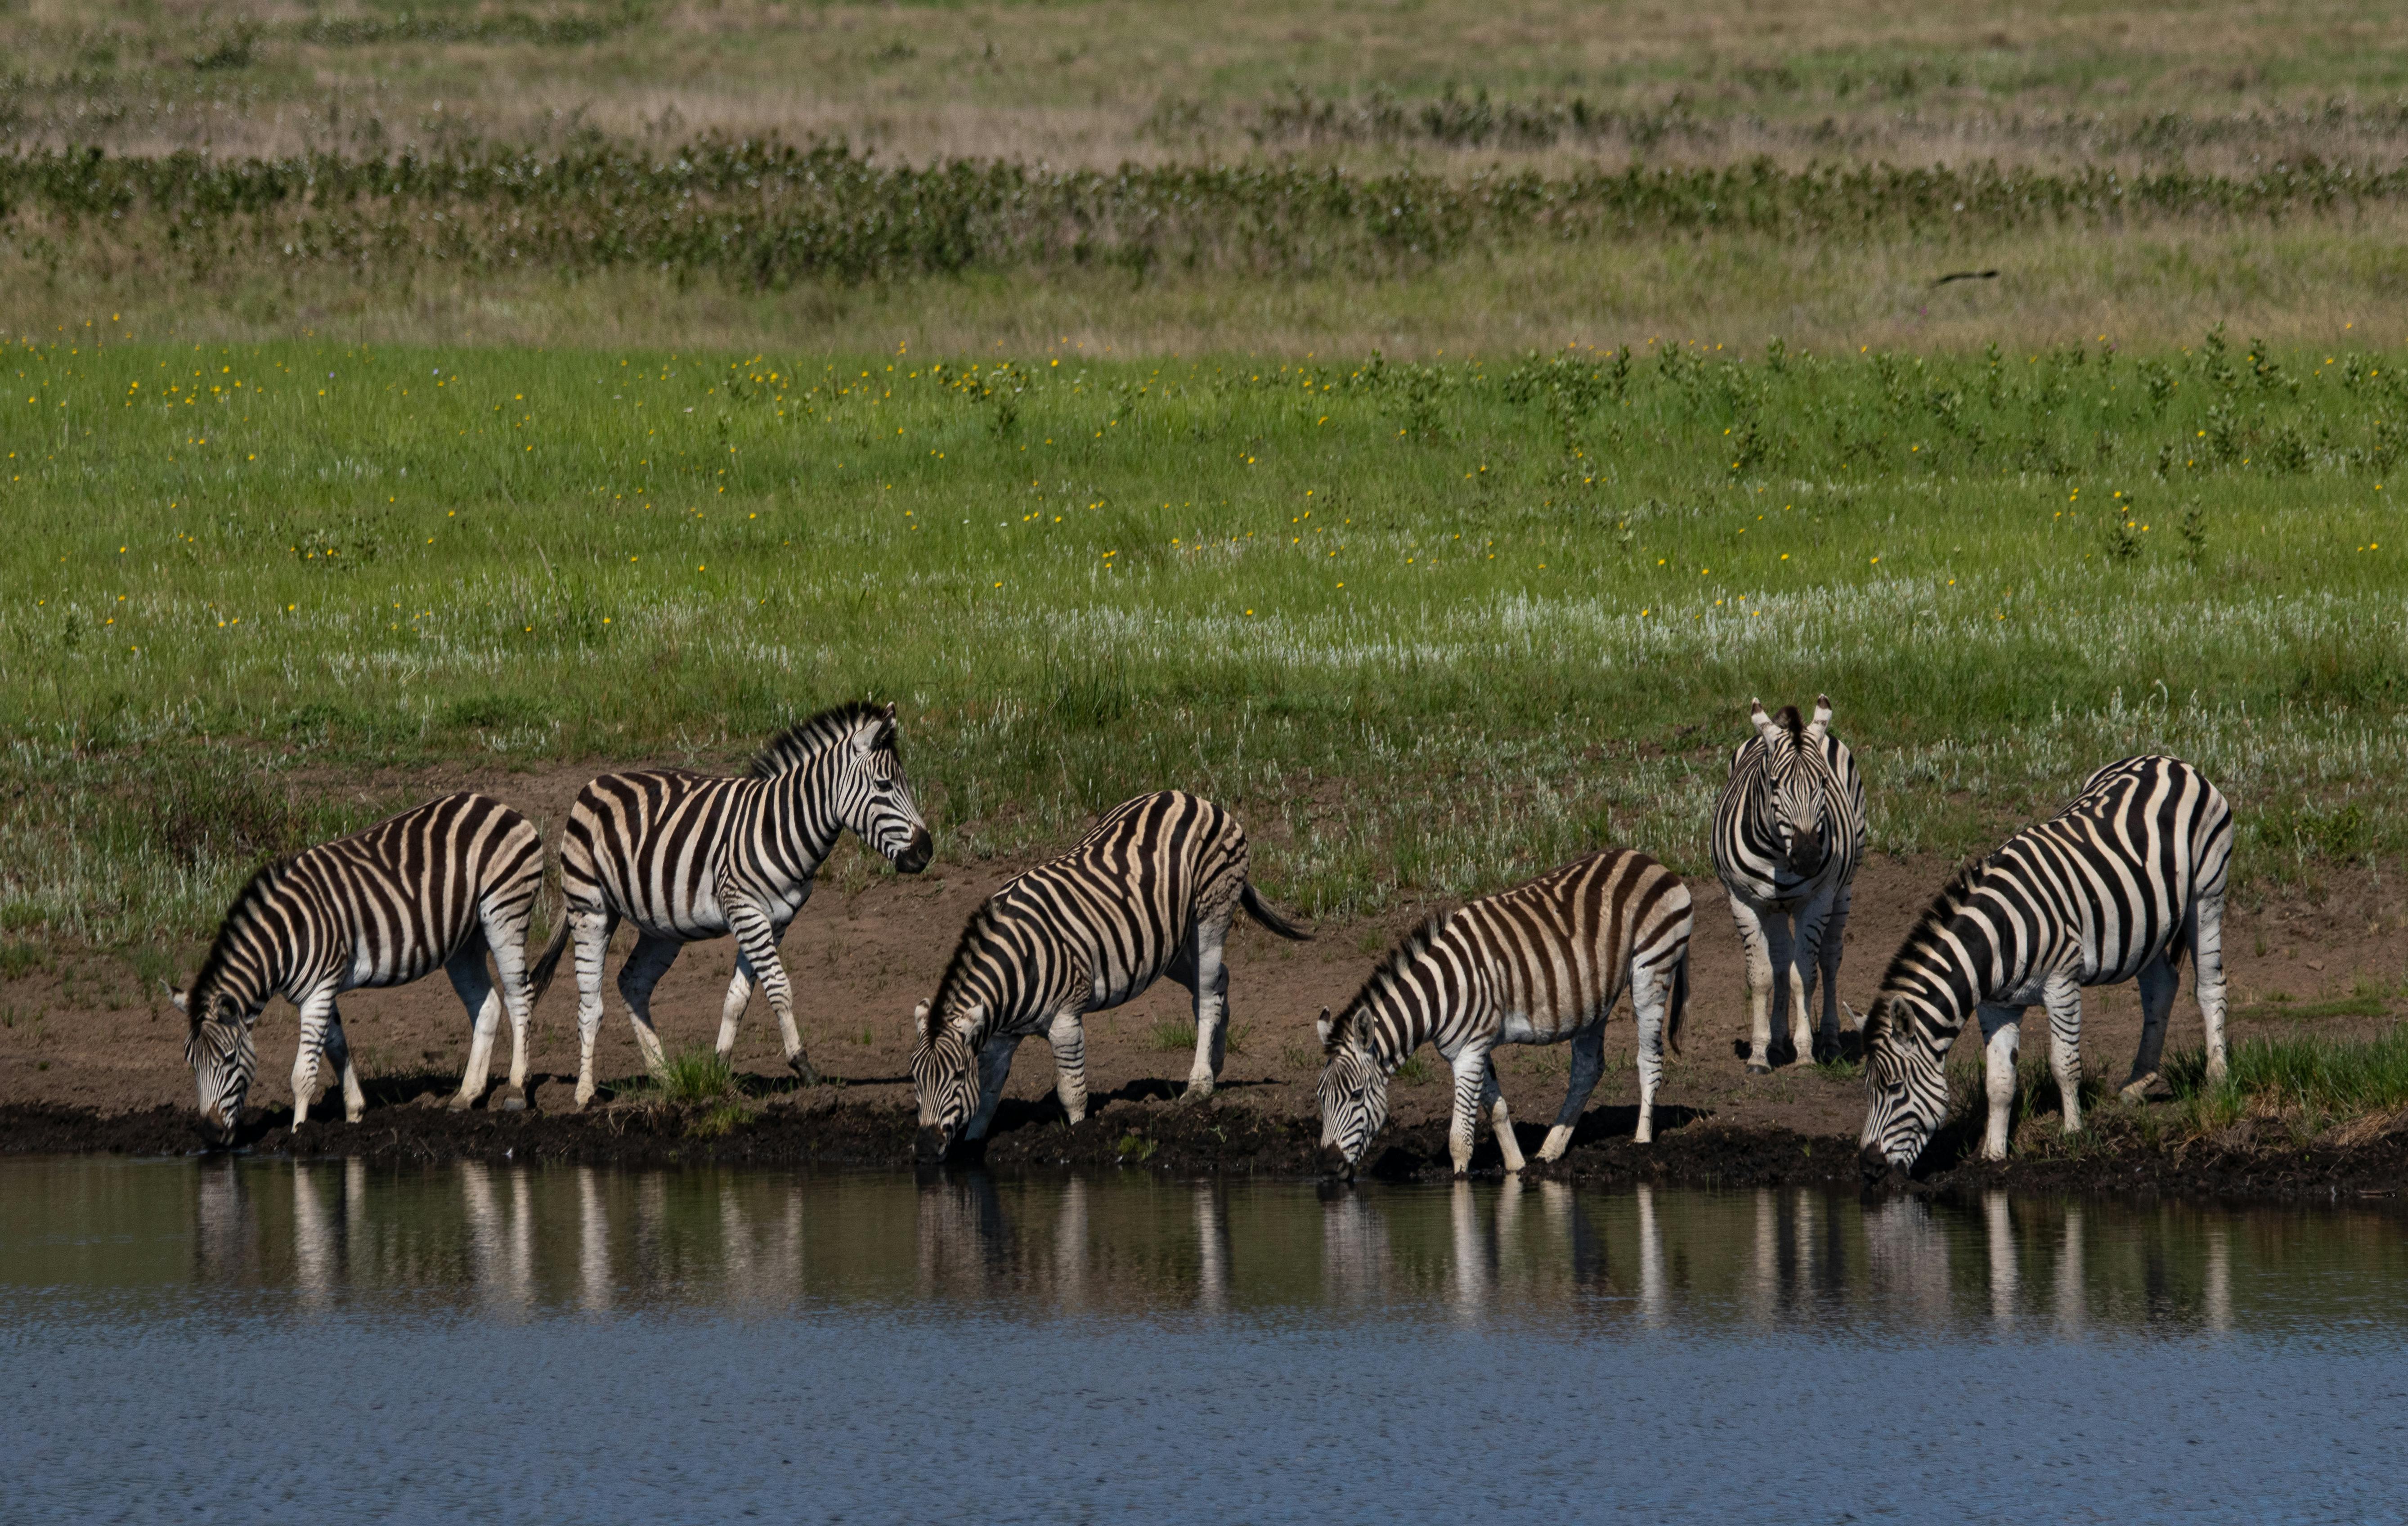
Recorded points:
92,1059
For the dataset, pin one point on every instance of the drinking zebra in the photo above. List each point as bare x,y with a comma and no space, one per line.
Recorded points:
1149,892
437,886
1787,835
1540,963
686,856
2116,887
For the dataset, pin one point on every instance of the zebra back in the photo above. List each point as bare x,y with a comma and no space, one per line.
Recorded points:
1791,819
2109,883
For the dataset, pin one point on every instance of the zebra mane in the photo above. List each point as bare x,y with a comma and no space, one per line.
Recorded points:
803,740
956,967
1389,973
1791,722
1950,900
262,881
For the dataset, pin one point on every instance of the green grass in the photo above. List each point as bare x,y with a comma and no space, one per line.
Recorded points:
1430,627
2298,1074
1173,1036
692,1076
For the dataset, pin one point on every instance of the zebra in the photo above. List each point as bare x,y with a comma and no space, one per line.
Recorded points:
2116,887
1787,835
686,856
440,885
1149,892
1540,963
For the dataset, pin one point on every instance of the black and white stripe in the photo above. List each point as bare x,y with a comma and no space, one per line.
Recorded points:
685,856
1540,963
1787,835
1149,892
438,887
2116,887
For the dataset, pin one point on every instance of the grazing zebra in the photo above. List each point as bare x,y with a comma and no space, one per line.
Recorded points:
2117,886
1536,964
1789,833
1149,892
685,856
437,886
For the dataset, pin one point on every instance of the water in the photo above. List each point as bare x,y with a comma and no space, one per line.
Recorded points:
217,1341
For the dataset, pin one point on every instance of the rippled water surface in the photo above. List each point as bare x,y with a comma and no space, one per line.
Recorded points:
220,1340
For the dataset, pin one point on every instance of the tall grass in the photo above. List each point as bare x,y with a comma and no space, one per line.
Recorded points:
1430,627
2300,1075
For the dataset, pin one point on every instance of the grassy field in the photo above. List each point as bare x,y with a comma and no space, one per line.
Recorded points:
1449,623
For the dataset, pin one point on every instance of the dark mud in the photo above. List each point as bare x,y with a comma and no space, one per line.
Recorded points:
823,1128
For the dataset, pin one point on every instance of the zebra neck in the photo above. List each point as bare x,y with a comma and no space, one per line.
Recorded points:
1393,1028
808,795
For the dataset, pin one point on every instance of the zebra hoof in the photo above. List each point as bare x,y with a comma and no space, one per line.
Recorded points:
461,1101
509,1101
804,1071
1198,1091
2137,1090
1755,1068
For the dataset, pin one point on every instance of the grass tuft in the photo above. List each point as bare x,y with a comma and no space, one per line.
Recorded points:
692,1076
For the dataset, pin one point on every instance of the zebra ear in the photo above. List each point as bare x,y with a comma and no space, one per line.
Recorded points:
1321,1026
1763,723
178,1000
1822,721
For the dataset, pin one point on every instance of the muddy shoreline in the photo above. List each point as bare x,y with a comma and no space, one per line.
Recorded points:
824,1128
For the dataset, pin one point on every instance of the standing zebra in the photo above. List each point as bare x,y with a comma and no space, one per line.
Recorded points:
1787,834
439,886
686,856
1149,892
2118,886
1536,964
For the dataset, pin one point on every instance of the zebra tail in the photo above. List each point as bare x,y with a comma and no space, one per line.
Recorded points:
1262,912
546,963
1678,1003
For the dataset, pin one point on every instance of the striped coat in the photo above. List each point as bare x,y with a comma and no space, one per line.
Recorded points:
1787,835
433,888
2119,885
1149,892
685,856
1541,963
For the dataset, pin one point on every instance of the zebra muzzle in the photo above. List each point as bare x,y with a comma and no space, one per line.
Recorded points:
916,852
1334,1163
929,1146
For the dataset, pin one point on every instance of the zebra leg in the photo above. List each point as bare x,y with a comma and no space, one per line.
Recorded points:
995,1069
1210,983
1588,1063
591,929
1835,934
484,1003
2158,982
338,1049
1471,1100
740,996
2063,997
757,937
1492,1102
646,964
505,935
2001,1038
1759,985
1814,926
1785,951
1650,994
1069,1037
316,1010
2207,968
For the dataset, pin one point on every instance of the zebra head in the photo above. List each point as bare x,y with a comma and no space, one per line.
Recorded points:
1354,1091
219,1049
945,1079
1906,1086
1796,776
876,800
